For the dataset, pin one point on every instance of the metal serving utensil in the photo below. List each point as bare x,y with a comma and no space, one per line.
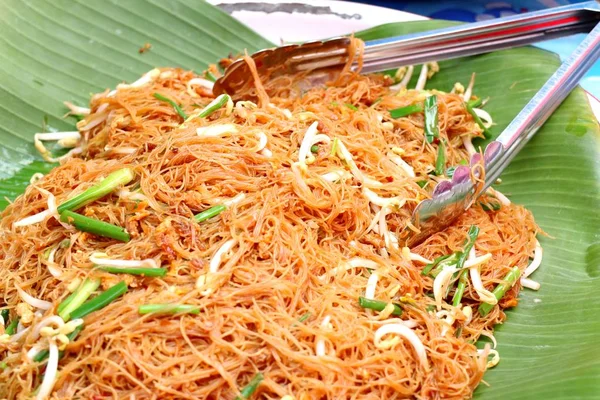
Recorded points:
451,198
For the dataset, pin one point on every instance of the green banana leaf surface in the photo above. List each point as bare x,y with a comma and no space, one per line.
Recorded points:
52,51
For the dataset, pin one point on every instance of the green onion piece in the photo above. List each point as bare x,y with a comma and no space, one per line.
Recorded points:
211,212
422,183
334,104
486,132
432,130
64,243
95,226
42,355
214,107
500,290
168,309
251,387
458,331
378,305
463,162
12,327
334,147
100,301
430,308
3,365
435,262
440,162
151,272
406,110
450,171
5,314
208,75
176,106
304,317
472,234
452,259
490,206
77,298
475,103
314,148
107,185
351,106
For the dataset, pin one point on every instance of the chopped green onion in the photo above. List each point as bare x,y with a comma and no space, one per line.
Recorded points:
208,75
486,132
251,387
450,171
168,309
314,148
211,212
351,106
107,185
430,308
334,104
95,226
490,206
42,355
176,106
77,298
422,183
100,301
500,290
334,147
440,162
473,233
151,272
211,108
435,262
64,244
475,103
458,331
304,317
406,110
12,327
378,305
5,314
3,365
432,130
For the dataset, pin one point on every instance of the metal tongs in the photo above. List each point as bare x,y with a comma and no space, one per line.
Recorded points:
450,198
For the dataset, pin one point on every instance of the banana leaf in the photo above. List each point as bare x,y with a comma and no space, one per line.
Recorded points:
51,51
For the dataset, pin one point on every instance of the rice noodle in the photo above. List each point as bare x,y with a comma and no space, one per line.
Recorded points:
291,242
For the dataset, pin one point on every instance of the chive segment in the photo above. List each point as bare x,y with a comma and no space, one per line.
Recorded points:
351,106
251,387
472,234
478,121
209,76
150,272
176,106
378,305
211,212
214,106
42,355
107,185
5,314
422,183
77,298
11,329
95,226
500,290
440,162
314,148
304,317
168,309
432,130
435,262
406,110
100,301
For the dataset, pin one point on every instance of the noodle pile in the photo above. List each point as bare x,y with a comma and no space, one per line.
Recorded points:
303,233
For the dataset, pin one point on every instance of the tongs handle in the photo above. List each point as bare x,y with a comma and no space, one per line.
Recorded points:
480,37
541,106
